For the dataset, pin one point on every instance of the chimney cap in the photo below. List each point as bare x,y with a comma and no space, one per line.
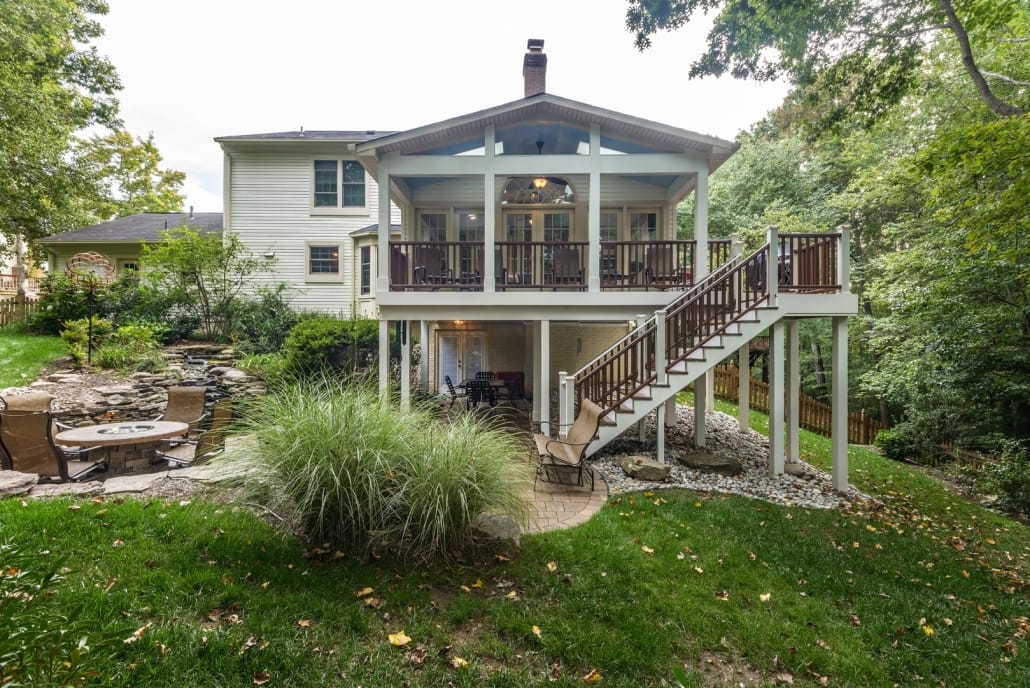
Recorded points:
535,45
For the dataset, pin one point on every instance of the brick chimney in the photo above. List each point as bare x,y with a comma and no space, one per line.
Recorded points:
534,67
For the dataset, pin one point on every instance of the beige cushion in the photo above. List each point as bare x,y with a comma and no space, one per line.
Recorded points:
27,401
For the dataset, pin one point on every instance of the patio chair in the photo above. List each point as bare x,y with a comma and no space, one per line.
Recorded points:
565,456
663,267
209,443
432,266
568,269
452,390
27,441
27,401
186,405
479,391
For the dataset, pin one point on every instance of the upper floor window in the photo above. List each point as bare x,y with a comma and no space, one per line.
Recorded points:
366,270
339,185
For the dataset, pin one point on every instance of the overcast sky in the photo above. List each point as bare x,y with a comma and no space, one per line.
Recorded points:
196,69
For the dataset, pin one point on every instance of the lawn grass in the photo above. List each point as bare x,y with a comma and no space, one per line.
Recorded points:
919,589
22,356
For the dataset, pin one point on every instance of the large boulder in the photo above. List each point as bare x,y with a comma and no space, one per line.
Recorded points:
13,483
644,468
712,463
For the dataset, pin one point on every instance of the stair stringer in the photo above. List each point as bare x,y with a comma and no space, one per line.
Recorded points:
736,334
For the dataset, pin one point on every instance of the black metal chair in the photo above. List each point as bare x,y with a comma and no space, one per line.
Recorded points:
452,390
479,391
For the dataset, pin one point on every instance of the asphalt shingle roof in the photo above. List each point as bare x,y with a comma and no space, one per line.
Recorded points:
142,227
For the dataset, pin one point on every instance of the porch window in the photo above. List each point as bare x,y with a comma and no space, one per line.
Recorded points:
536,190
609,233
366,270
643,226
432,226
339,185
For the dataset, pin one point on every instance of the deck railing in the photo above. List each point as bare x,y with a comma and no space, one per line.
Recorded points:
804,263
9,284
544,265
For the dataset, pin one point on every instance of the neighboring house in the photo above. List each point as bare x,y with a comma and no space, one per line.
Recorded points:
534,238
9,277
120,240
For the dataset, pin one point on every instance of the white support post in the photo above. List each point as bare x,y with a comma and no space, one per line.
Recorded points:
489,263
384,356
839,417
844,259
700,410
793,454
670,412
566,402
776,398
383,246
701,224
710,389
594,212
660,343
544,380
744,388
538,396
772,266
423,361
405,342
659,433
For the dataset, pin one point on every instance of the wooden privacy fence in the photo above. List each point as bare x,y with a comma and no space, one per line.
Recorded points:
16,309
814,415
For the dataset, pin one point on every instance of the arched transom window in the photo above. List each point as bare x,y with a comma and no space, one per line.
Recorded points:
537,190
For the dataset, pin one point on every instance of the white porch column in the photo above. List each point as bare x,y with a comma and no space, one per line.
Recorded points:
659,433
701,224
772,266
710,389
423,362
543,385
839,418
776,398
793,392
405,343
700,410
566,402
744,388
384,355
670,412
537,396
383,252
489,206
594,211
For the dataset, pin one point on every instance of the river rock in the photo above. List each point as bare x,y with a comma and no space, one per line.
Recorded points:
712,463
644,468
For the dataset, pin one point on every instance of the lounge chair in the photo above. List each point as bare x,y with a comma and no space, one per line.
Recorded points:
28,446
210,443
558,456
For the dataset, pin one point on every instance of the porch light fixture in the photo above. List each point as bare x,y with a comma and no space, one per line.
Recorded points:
540,182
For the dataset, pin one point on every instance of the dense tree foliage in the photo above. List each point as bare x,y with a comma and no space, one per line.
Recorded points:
933,185
53,87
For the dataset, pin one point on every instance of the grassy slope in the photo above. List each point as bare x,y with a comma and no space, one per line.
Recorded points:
22,356
923,590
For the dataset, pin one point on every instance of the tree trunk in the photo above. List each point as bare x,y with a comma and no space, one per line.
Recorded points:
820,370
996,104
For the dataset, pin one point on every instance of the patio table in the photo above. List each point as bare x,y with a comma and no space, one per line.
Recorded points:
130,445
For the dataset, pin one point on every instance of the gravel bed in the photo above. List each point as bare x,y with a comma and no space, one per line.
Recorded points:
805,486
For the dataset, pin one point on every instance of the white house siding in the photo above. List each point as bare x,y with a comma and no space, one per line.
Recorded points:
271,211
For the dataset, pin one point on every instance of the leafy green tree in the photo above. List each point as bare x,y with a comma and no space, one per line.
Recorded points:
860,57
129,175
206,273
52,84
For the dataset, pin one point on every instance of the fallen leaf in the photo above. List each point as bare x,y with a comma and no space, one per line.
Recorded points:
723,595
137,634
681,556
699,569
304,623
466,588
593,676
647,550
478,583
765,596
399,639
552,567
118,543
364,592
855,621
261,678
458,662
928,630
502,558
74,507
536,631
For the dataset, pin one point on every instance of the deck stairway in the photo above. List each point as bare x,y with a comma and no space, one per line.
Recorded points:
698,329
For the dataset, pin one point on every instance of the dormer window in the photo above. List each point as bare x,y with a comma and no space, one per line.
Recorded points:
537,190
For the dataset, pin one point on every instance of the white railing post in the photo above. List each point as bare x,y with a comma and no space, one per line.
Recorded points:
660,350
772,265
844,259
566,402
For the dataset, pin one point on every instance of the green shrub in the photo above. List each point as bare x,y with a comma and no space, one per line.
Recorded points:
60,299
270,367
132,347
132,300
262,324
1010,476
323,343
44,642
366,475
77,336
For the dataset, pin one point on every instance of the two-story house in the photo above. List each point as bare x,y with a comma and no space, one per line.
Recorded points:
538,238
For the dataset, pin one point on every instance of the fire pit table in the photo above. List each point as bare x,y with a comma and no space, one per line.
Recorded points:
130,446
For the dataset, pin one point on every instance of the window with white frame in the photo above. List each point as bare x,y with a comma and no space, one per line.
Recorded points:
339,186
643,225
323,262
366,269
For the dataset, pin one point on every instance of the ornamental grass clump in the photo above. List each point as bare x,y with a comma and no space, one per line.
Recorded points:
362,473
